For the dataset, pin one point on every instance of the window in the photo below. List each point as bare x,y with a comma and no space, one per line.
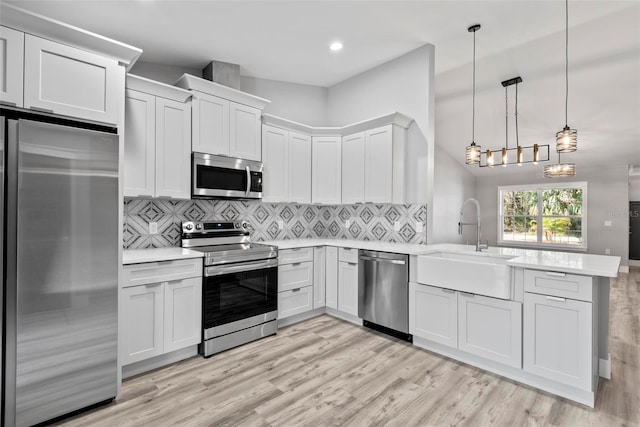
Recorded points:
543,215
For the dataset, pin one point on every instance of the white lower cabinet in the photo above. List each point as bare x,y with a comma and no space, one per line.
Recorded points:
558,339
348,287
296,275
433,314
295,301
490,328
161,305
142,315
331,279
319,276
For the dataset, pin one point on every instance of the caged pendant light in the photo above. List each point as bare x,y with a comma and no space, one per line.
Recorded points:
567,138
472,152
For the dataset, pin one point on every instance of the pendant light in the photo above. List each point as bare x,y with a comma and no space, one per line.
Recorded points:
472,152
567,138
560,170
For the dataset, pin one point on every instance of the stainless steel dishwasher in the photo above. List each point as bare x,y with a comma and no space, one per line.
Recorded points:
383,292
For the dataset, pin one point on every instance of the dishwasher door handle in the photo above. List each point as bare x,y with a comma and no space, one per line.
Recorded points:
384,260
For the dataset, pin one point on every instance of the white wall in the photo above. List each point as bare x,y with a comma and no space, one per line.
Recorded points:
163,73
405,85
305,104
453,185
634,188
607,199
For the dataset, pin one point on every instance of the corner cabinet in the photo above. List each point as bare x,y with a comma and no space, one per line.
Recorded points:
225,121
157,157
326,170
11,66
161,304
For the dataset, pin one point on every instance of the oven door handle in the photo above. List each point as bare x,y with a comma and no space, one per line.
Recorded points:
219,270
248,179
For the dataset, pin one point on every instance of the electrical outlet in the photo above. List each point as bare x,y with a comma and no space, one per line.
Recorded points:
153,228
607,251
347,223
396,226
280,224
608,223
419,227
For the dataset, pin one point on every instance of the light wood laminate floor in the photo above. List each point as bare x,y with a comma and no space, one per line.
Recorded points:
326,372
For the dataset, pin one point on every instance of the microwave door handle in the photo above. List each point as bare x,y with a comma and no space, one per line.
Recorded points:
248,180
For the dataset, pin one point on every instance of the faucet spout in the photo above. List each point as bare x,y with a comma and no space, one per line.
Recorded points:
461,223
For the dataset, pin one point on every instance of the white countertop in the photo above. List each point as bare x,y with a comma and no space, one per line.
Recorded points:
566,262
137,256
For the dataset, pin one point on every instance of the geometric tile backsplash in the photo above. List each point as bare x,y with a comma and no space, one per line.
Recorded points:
368,221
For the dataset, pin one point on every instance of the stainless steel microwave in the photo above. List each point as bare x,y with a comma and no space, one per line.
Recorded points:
219,176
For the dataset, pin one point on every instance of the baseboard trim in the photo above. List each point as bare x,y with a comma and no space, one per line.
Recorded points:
300,317
158,361
623,269
604,367
344,316
634,263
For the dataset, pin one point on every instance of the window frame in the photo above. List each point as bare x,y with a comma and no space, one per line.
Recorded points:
539,188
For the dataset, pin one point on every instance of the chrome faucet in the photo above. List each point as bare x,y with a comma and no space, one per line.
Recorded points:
479,247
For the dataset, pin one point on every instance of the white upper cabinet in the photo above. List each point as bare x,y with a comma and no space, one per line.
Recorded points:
326,179
299,168
11,66
226,121
140,144
378,165
69,81
157,156
287,165
210,124
173,149
353,159
244,134
275,152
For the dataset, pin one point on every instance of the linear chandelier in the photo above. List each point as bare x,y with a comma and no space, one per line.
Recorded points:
519,154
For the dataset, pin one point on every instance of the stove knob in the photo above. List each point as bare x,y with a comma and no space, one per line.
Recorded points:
198,226
244,225
188,227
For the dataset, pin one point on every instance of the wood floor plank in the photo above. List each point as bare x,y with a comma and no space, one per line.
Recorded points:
328,372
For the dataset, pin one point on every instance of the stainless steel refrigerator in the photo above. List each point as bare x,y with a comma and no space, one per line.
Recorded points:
59,200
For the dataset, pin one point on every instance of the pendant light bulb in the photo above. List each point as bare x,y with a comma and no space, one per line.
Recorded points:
489,158
505,158
536,154
520,156
472,152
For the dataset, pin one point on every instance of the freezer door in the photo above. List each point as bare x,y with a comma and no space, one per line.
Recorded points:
66,270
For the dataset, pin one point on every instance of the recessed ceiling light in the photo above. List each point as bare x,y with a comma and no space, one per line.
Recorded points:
335,46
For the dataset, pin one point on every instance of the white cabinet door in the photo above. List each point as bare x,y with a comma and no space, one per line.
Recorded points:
143,322
331,277
299,168
378,182
210,124
69,81
319,276
490,328
275,152
11,66
182,313
558,340
295,301
173,153
433,314
353,157
326,170
348,287
244,132
140,144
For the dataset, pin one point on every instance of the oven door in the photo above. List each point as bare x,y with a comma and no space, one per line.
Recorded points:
219,176
233,293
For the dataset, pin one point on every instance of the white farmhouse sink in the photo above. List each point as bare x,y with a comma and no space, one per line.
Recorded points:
481,273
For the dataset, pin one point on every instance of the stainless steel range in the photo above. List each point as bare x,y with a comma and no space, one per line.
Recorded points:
239,284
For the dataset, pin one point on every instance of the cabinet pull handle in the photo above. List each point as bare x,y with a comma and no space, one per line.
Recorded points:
467,294
153,285
556,274
9,103
556,299
352,263
295,290
296,264
450,291
295,249
42,110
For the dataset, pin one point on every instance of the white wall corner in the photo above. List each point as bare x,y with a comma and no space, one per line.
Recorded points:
604,367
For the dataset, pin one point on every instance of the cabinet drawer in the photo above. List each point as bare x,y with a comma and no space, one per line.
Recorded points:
296,275
559,284
290,256
154,272
348,255
295,301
